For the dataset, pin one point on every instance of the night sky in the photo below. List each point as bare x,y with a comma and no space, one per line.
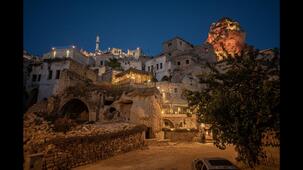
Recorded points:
128,24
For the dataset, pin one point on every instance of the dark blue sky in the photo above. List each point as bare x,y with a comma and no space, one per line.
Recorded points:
146,24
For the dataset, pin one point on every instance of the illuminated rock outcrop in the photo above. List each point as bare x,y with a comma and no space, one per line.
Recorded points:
227,37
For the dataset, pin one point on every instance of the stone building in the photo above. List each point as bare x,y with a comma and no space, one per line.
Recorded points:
176,43
173,101
132,77
130,62
159,66
176,70
134,53
46,77
70,52
29,95
142,106
116,52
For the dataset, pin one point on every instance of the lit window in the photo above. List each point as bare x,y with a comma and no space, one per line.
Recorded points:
67,53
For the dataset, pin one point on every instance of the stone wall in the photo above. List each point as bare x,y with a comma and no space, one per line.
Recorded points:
82,70
66,153
181,121
183,135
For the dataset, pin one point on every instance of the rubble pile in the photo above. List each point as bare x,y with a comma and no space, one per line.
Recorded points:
81,145
36,131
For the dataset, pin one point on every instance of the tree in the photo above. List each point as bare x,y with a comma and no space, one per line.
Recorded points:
241,101
113,63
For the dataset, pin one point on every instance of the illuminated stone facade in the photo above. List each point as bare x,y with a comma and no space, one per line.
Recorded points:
132,76
227,38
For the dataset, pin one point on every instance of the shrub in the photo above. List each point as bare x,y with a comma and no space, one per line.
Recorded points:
63,124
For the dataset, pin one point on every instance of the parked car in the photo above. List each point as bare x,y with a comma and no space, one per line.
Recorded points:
213,164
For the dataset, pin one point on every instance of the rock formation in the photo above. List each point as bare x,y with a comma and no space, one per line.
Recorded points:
227,38
141,106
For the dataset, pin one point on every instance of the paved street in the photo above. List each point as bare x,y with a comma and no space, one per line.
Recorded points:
174,156
156,157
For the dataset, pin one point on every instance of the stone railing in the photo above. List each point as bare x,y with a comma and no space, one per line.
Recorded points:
66,153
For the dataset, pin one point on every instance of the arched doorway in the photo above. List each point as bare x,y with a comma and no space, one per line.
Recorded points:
125,107
75,109
30,98
168,123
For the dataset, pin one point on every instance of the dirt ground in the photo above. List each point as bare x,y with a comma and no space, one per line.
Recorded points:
175,156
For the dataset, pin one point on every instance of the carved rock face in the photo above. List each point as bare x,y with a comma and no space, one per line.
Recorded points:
227,37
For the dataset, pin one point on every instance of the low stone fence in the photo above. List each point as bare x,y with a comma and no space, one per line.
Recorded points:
66,153
182,135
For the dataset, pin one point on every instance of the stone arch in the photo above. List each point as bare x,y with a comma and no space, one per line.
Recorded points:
32,97
168,123
75,109
165,78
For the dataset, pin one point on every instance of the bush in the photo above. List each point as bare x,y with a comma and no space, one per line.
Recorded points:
63,124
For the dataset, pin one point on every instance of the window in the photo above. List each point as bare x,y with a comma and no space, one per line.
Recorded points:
180,42
160,65
152,68
50,74
169,44
57,74
178,63
39,77
148,68
187,61
157,66
101,63
176,90
34,77
204,167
